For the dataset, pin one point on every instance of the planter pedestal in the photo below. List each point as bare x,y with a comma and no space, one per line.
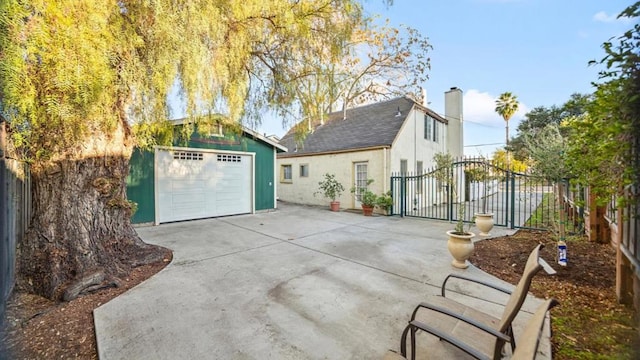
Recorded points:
461,247
484,223
335,206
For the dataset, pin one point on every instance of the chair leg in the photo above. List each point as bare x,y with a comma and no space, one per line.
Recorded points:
403,341
513,339
413,342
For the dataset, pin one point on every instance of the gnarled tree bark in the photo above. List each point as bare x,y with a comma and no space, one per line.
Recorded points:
81,221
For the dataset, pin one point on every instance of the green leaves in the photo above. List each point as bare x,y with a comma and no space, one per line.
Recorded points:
547,150
72,71
599,148
507,105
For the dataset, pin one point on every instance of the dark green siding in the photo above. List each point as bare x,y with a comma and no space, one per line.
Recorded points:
140,183
140,186
265,197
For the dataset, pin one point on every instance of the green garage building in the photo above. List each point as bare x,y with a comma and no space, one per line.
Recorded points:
217,175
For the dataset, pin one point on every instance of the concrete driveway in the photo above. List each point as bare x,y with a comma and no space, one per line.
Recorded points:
297,283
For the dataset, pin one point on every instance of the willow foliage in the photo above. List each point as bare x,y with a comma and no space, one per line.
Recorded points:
74,71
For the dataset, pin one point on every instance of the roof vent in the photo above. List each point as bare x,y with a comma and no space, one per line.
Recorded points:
398,114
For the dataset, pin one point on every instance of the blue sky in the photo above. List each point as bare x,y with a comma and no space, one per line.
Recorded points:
537,49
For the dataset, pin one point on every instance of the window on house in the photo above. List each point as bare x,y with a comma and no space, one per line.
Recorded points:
217,130
403,167
427,127
285,173
436,125
304,170
431,128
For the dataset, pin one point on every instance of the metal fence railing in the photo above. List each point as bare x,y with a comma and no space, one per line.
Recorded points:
516,200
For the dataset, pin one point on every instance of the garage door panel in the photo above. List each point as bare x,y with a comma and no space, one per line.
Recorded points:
194,184
226,197
229,208
187,213
226,185
188,185
187,197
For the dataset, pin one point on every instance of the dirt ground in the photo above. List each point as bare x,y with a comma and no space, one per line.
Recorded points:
589,323
37,328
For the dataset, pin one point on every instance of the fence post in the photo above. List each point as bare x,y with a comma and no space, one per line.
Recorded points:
598,230
512,209
403,195
450,195
4,233
624,273
391,187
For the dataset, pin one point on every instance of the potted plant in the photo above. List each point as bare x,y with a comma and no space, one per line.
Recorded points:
385,201
459,243
368,199
331,189
484,219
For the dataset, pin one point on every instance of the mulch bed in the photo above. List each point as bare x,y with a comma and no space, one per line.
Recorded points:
589,319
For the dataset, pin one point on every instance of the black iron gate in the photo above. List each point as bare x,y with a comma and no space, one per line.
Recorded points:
516,200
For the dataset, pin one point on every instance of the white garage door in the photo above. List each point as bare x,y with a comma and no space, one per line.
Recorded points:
194,184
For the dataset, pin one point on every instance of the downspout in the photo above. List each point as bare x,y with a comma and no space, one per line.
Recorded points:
387,175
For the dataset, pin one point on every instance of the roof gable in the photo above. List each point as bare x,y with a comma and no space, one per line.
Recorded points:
246,132
372,125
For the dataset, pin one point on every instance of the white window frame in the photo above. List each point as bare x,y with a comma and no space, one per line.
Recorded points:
301,169
361,182
283,173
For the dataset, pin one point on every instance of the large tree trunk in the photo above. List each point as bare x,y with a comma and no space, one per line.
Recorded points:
81,234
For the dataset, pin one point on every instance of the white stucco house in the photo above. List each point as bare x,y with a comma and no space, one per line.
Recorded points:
370,142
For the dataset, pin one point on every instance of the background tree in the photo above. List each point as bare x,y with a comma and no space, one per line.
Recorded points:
83,81
603,143
541,116
506,106
380,62
499,159
547,150
383,62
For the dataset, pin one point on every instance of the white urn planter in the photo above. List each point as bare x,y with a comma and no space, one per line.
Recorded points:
484,223
461,248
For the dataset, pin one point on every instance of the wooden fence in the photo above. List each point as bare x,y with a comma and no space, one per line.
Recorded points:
618,224
15,215
628,251
599,221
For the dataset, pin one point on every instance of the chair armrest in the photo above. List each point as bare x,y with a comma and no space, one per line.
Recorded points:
445,337
495,287
462,318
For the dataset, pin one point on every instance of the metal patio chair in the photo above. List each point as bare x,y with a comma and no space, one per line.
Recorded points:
526,350
486,333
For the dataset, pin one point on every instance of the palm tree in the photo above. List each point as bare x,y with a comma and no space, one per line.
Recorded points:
506,106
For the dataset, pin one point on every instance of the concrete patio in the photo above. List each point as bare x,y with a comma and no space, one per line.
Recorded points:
297,283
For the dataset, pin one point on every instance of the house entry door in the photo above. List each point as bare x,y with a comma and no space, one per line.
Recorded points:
361,176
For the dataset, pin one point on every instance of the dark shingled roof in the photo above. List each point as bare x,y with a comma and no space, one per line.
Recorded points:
365,126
